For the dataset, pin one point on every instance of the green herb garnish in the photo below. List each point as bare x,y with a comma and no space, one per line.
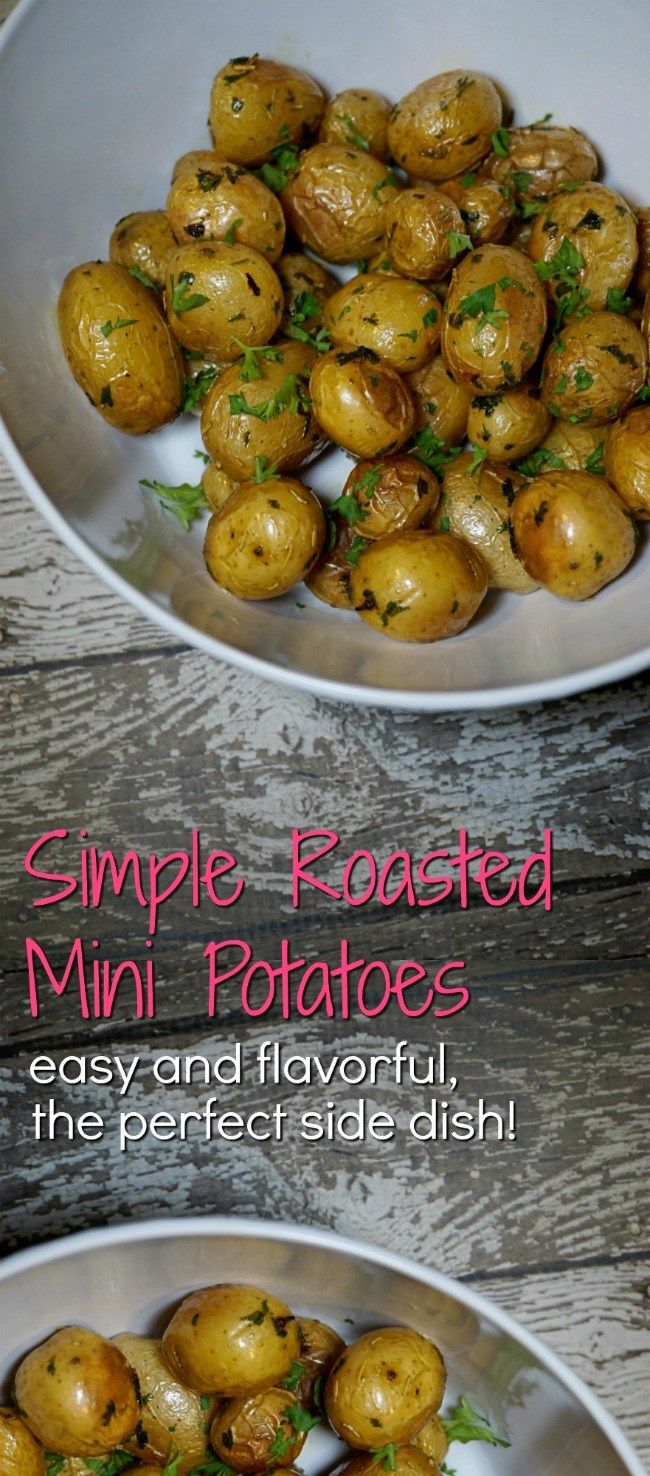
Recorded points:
252,368
277,171
264,472
183,301
291,395
465,1424
196,387
108,327
230,233
142,277
184,501
618,301
501,143
458,241
352,135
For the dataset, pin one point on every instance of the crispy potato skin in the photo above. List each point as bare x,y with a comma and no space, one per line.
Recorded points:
143,240
551,156
172,1418
20,1453
397,318
265,539
486,208
495,346
572,533
361,403
601,226
477,508
330,580
287,439
257,104
357,113
440,402
396,492
243,298
444,125
77,1393
131,373
627,460
595,369
509,423
412,586
231,1340
226,202
244,1431
418,224
336,201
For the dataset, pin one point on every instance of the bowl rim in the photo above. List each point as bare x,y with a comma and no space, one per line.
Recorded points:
396,699
247,1228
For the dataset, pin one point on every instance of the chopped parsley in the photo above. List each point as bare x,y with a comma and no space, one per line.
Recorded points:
479,456
356,549
352,135
618,301
563,267
183,301
305,307
230,233
592,221
430,317
300,1418
522,180
196,387
257,1317
433,450
390,180
252,368
106,396
481,306
501,143
392,608
349,508
458,241
387,1454
142,277
465,1424
294,1376
467,180
539,461
184,501
291,395
582,379
264,472
618,353
595,462
108,327
278,170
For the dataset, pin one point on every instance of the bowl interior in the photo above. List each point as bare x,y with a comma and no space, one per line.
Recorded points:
132,1278
96,102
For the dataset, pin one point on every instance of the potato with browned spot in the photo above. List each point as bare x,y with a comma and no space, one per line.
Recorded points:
226,203
494,319
330,579
585,239
77,1393
387,1383
432,1440
508,423
445,125
441,404
360,402
196,159
143,242
627,460
320,1345
259,411
475,505
486,208
424,233
359,117
20,1453
262,1431
336,201
173,1420
397,318
231,1340
119,347
381,497
220,296
413,586
536,161
572,533
265,539
594,370
258,106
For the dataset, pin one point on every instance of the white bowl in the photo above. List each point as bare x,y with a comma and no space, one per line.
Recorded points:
97,100
131,1277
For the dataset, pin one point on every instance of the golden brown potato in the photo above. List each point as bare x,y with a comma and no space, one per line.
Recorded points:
220,296
336,201
143,243
330,579
196,159
494,319
509,423
413,586
537,160
641,281
77,1393
20,1453
397,318
259,410
231,1340
440,403
172,1419
226,203
361,403
572,533
320,1345
307,286
405,1460
476,506
593,371
217,486
444,125
387,1383
569,446
119,347
486,208
358,117
266,538
424,233
601,248
432,1440
257,105
627,460
381,497
261,1431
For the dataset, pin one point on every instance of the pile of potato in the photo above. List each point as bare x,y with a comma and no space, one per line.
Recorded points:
486,367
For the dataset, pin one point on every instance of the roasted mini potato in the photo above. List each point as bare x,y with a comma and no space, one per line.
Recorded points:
508,423
143,242
226,203
405,1460
357,117
641,280
397,318
476,506
320,1345
601,251
330,579
444,126
432,1440
361,403
440,402
119,347
569,446
572,533
20,1453
413,586
494,319
486,208
536,161
259,412
627,460
257,105
595,369
307,286
261,1431
196,159
424,233
336,201
265,539
231,1340
381,497
172,1418
217,486
77,1393
220,296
